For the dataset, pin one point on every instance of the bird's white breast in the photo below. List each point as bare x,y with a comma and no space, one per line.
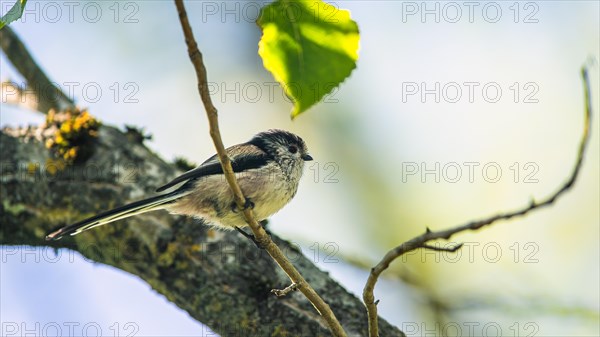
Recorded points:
268,187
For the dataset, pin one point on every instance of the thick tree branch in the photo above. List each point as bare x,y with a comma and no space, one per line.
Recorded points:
421,240
219,278
47,95
259,233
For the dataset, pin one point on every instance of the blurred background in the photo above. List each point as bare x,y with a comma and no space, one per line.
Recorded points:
456,111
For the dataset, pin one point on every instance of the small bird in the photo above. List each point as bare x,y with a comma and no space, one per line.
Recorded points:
268,169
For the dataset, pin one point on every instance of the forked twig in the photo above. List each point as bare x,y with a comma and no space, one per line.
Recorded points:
421,240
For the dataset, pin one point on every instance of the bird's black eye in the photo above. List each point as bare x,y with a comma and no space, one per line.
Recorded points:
293,148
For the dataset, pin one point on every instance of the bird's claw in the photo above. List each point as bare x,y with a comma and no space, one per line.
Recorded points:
248,204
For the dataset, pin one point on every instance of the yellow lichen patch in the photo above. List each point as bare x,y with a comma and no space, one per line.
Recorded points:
14,209
32,168
54,165
74,131
168,256
280,331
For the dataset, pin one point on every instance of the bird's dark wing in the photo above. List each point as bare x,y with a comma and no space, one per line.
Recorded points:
243,157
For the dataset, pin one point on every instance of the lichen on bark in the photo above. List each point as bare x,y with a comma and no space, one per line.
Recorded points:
220,278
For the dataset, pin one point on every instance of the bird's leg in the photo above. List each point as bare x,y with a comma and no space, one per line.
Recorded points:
249,205
250,237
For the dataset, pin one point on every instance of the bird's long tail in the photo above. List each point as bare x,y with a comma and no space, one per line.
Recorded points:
138,207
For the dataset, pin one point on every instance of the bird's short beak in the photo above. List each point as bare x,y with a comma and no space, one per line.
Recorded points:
307,157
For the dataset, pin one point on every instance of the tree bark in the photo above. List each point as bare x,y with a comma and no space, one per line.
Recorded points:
220,278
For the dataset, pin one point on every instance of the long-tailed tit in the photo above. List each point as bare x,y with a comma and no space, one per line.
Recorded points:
268,169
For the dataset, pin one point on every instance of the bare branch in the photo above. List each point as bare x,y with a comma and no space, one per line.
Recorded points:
285,291
218,277
259,233
421,240
443,249
47,95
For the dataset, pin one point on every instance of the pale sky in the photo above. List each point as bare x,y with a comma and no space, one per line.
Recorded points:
497,85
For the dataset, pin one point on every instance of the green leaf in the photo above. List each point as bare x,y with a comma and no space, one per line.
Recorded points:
13,14
309,46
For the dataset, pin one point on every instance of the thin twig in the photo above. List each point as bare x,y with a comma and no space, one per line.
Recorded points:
443,249
421,240
259,233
